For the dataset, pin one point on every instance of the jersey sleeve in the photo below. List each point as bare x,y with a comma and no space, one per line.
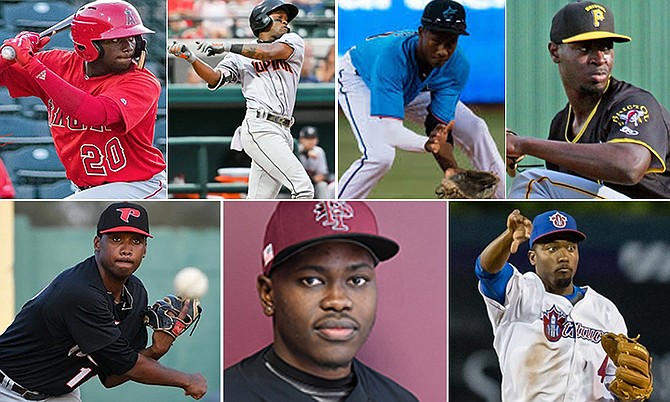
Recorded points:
115,359
640,119
387,76
297,44
493,285
136,96
449,83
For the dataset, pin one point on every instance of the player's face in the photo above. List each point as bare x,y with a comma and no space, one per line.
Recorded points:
120,254
117,54
325,301
585,66
308,143
279,24
436,48
556,264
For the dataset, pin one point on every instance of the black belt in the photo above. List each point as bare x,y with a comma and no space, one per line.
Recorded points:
28,395
275,118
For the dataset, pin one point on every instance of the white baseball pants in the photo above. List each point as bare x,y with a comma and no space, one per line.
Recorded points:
273,164
154,189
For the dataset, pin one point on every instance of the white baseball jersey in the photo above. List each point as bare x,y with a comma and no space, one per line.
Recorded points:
268,84
270,88
548,349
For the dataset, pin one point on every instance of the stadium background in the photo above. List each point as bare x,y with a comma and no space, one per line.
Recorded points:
416,175
624,258
49,237
534,89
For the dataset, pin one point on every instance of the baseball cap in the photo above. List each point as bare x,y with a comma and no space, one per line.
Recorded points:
584,20
444,16
297,225
124,217
554,222
309,132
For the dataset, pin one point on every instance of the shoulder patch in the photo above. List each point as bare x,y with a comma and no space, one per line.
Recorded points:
630,117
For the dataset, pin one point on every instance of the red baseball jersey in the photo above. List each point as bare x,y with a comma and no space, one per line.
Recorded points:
96,155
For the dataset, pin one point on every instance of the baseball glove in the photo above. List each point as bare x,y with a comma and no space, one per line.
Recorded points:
165,315
633,380
469,184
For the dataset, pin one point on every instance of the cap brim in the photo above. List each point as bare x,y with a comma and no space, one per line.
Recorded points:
380,247
597,35
576,233
130,229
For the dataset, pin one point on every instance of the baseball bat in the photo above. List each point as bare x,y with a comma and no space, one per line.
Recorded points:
8,53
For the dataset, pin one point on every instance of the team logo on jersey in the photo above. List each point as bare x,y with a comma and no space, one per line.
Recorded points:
597,13
42,75
130,18
629,117
126,213
333,214
558,220
554,320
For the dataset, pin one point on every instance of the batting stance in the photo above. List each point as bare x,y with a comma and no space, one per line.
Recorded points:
269,71
101,103
90,321
414,75
548,331
612,139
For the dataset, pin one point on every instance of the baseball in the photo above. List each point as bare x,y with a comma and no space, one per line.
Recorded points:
190,282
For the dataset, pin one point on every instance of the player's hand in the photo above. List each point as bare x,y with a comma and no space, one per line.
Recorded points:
22,48
520,227
512,144
212,48
437,139
34,39
197,386
182,51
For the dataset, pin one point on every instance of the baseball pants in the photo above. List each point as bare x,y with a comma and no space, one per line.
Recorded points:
154,188
549,184
7,395
470,134
273,164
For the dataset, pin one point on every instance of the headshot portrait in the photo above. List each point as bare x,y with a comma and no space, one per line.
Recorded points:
540,288
328,299
108,301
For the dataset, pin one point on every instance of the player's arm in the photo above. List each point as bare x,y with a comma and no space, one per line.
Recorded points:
86,108
496,253
621,163
441,144
257,51
211,76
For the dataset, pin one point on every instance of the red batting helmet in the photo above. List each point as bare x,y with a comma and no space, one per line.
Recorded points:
104,19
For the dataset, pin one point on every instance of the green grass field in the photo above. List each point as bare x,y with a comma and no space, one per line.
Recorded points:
415,176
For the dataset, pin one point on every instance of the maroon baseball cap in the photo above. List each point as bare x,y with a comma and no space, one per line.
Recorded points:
297,225
124,217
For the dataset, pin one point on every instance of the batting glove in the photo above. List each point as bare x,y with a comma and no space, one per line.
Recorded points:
23,50
212,48
34,39
182,51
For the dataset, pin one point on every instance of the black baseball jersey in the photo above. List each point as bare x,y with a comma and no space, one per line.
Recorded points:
626,114
252,380
73,330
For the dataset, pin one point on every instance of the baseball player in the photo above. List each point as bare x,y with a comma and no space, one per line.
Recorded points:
548,330
101,104
612,140
313,158
414,75
90,321
319,286
269,71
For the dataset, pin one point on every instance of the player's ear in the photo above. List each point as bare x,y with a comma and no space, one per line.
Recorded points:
96,243
264,288
553,51
532,257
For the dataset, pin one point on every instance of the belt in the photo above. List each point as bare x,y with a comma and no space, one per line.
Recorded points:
275,118
6,382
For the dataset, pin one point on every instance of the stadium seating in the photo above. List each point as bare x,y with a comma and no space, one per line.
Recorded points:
8,105
33,164
35,16
55,190
19,126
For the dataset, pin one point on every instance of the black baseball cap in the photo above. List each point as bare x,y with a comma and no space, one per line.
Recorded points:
584,20
124,217
309,132
444,16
